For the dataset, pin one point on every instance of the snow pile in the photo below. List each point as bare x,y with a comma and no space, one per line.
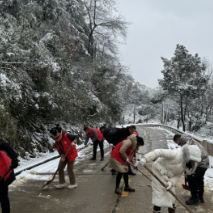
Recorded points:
33,176
24,164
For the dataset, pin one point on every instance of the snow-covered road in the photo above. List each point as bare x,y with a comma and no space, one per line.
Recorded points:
95,193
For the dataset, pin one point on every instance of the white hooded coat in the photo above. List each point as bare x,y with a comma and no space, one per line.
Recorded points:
169,167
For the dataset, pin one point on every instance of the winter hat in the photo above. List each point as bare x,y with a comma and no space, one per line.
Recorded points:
191,152
184,139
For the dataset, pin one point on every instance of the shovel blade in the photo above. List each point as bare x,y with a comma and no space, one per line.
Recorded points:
186,187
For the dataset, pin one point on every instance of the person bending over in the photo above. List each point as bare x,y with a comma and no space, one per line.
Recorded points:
169,167
120,158
97,137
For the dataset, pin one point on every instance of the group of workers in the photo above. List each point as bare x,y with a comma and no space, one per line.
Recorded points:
191,159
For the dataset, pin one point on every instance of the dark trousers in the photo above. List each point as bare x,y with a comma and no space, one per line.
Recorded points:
95,145
196,183
4,200
126,179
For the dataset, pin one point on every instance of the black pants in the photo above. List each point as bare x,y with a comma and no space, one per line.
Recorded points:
126,179
95,145
196,183
4,200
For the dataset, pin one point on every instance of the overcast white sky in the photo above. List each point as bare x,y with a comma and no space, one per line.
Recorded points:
157,27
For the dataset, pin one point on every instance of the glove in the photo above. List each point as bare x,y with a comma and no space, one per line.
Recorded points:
168,185
136,165
14,163
127,160
143,161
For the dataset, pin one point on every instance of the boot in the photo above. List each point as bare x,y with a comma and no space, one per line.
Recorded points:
118,190
201,200
102,159
192,201
92,158
61,186
72,186
171,210
129,189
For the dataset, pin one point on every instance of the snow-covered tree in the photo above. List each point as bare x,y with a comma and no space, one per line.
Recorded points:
184,79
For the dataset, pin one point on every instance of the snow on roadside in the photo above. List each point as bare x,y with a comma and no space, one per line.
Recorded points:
24,164
49,167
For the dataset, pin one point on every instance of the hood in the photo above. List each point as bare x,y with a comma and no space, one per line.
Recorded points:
191,152
184,139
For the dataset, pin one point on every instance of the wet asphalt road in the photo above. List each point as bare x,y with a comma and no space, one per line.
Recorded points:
95,193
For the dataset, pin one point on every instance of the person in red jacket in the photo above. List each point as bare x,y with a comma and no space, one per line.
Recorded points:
121,156
97,137
63,141
6,163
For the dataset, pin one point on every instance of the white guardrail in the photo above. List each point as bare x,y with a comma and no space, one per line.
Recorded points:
205,143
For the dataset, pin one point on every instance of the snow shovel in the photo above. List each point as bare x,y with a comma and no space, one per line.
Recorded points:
50,181
2,178
186,186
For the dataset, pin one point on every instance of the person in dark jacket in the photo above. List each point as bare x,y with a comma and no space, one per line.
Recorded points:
63,141
195,180
115,136
123,133
6,163
97,137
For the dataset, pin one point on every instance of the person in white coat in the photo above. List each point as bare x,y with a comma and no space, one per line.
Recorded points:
169,167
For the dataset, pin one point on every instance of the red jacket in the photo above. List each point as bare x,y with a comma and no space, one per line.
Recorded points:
90,134
66,143
5,162
116,154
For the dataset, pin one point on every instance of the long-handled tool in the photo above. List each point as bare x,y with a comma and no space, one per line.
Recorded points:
2,178
50,181
186,186
140,172
104,167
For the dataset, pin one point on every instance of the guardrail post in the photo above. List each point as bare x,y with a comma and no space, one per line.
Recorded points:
210,148
204,144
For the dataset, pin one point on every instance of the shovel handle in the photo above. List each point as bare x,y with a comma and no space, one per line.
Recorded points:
2,178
